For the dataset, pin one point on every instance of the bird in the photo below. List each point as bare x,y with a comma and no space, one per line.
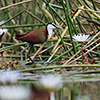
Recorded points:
36,37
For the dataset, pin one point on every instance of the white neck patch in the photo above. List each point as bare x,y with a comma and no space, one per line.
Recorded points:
50,28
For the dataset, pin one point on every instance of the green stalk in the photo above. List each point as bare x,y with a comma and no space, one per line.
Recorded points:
70,30
7,43
63,54
79,25
55,12
66,28
56,6
87,4
12,46
80,2
19,26
93,4
67,20
60,37
12,17
7,10
35,17
58,15
52,40
93,18
42,11
60,66
57,29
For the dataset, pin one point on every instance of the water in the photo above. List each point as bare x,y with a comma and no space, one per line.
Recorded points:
73,88
74,91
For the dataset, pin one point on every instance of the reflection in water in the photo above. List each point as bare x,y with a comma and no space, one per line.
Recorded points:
74,91
82,98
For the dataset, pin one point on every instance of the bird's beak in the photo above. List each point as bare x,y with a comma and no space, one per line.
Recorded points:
59,27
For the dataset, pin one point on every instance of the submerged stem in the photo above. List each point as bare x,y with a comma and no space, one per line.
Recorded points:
82,54
82,63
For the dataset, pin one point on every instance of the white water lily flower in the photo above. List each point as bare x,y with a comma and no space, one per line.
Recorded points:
51,82
81,38
9,76
14,92
1,22
2,31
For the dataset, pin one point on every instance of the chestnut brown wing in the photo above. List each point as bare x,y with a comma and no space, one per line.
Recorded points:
33,37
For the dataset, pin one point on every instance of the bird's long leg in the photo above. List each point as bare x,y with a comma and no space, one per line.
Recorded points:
22,56
30,57
44,64
32,60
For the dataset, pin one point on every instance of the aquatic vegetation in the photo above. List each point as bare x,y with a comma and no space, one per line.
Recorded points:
61,53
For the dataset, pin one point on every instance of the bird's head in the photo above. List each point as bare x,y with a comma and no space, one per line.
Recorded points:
50,27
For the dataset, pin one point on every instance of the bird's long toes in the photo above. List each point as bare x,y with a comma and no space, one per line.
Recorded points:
44,64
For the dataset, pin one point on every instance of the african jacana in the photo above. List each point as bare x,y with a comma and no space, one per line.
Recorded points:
36,37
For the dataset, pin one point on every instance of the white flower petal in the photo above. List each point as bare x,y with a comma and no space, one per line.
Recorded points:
9,76
80,38
0,44
14,92
3,31
87,36
51,82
